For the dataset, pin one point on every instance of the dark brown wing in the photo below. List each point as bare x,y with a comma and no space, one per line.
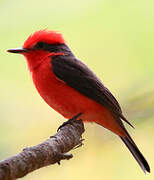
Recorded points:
81,78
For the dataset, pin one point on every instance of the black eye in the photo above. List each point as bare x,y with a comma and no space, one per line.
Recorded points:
40,45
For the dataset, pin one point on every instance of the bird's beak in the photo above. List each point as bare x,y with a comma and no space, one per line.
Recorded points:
17,50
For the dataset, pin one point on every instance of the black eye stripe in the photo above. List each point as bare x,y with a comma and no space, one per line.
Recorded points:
48,47
62,48
39,45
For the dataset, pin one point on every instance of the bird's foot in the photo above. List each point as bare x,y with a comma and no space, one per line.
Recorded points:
69,121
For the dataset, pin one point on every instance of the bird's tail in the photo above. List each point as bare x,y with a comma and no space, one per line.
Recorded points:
136,152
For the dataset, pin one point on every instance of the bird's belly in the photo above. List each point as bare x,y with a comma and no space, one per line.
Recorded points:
56,93
60,96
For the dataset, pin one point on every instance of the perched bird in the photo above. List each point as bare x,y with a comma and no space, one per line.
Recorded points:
70,87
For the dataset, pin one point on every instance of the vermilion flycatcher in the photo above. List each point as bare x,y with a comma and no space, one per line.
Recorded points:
70,87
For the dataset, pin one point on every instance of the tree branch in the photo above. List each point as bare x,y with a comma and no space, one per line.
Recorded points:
49,152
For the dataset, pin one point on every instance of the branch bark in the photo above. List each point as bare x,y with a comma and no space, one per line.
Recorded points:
51,151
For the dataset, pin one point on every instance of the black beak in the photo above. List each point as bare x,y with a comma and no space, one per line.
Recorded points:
17,50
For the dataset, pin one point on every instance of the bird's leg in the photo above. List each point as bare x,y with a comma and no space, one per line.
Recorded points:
69,121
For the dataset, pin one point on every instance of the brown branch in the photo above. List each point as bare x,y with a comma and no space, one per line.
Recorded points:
49,152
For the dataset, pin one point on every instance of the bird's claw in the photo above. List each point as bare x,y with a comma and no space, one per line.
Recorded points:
69,121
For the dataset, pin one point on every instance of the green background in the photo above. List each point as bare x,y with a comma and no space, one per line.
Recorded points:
115,39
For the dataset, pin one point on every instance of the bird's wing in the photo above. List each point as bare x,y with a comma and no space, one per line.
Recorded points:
77,75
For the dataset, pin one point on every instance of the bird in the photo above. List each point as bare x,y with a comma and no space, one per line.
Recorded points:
69,86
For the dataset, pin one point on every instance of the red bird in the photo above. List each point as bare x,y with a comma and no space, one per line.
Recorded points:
70,87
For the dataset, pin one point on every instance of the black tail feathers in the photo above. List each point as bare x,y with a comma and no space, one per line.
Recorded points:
136,153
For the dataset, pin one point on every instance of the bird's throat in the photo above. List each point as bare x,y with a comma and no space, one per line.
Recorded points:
35,59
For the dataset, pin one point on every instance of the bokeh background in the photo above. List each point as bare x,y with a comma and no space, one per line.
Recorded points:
116,40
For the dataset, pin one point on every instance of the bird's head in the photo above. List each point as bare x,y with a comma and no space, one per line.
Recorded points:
39,45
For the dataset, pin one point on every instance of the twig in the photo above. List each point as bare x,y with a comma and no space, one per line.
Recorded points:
51,151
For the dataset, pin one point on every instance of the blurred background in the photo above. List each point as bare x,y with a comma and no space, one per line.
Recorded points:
115,39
